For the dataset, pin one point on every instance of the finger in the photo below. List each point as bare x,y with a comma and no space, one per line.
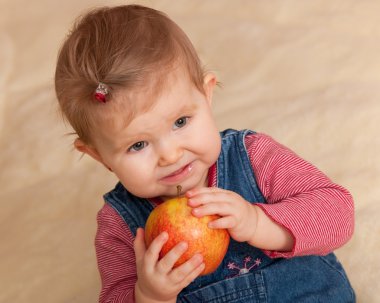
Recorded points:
203,190
216,208
181,272
167,262
193,275
204,198
139,245
153,251
228,222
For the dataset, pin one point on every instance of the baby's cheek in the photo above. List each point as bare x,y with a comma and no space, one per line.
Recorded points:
135,179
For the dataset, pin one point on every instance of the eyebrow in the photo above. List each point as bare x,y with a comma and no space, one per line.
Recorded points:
124,144
185,108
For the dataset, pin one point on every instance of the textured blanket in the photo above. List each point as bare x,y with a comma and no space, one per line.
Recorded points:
305,72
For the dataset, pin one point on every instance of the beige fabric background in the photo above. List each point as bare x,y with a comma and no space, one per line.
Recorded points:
305,72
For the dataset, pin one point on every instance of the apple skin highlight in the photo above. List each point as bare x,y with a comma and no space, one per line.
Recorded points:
174,216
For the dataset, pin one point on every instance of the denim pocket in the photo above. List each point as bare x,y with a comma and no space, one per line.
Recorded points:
247,288
308,279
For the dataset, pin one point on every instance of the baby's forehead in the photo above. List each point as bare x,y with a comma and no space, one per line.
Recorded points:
147,92
125,106
131,103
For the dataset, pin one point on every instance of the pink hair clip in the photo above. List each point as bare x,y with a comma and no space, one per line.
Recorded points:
101,92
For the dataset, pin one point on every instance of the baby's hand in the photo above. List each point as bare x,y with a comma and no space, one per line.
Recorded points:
157,281
238,216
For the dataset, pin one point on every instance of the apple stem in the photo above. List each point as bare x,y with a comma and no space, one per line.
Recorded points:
179,189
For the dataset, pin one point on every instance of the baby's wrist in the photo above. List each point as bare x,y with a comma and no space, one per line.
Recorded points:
254,214
142,297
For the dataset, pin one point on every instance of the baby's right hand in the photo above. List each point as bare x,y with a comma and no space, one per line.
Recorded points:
157,280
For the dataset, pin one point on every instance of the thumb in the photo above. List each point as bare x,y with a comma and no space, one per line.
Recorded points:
139,244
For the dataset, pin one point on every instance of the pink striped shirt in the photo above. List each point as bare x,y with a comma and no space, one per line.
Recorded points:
318,213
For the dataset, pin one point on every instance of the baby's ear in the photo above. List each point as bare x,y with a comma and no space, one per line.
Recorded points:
209,83
87,149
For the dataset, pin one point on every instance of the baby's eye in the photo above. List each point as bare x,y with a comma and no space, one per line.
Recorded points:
138,146
181,122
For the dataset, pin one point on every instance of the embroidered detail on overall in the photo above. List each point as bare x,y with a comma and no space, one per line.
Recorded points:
243,267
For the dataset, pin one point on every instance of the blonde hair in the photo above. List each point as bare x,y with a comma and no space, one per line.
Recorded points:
125,47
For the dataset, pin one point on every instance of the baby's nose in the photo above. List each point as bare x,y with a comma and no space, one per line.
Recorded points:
170,154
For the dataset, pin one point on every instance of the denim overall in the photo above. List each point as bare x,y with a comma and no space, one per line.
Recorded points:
246,274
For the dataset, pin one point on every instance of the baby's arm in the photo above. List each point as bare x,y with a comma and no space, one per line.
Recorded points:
318,213
306,213
116,260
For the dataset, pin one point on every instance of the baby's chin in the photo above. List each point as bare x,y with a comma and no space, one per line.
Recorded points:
166,192
160,193
174,191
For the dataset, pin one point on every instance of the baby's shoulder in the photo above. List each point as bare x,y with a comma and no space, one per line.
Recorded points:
107,215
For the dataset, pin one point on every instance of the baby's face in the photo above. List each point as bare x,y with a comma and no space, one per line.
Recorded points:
173,143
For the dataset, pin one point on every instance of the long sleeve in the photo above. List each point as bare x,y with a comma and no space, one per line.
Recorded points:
116,257
318,213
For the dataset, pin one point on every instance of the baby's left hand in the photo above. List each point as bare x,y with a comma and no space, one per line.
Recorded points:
238,216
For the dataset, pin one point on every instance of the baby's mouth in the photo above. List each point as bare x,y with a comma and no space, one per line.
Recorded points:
179,174
178,171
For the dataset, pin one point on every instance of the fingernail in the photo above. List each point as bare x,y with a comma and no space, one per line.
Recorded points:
196,212
164,235
183,245
199,257
191,203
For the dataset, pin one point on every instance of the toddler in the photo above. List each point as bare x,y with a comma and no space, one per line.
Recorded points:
133,88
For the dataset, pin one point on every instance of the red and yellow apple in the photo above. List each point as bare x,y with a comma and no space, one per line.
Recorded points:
174,216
